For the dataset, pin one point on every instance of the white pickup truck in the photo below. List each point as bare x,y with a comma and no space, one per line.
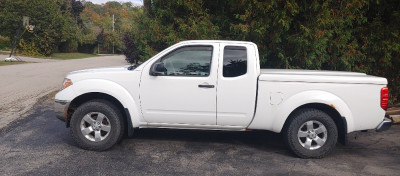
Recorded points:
218,85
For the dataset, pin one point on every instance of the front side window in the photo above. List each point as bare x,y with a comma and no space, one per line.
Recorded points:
188,61
235,61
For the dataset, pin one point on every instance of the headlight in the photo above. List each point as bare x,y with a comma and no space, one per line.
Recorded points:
67,82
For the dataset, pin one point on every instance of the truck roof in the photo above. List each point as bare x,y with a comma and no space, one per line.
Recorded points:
218,41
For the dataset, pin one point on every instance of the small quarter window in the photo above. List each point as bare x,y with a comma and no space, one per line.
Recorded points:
235,61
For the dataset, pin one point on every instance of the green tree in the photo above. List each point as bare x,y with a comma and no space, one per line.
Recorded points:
163,23
54,24
99,19
379,40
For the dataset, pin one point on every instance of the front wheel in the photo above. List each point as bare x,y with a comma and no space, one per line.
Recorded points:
97,125
311,133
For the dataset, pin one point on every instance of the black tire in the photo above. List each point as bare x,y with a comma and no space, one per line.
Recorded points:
112,118
297,127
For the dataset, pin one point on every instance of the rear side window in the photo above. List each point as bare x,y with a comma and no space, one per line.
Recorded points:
235,61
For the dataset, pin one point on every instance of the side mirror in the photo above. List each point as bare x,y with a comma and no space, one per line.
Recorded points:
157,69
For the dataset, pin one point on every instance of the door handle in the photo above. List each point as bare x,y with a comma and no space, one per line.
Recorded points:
206,86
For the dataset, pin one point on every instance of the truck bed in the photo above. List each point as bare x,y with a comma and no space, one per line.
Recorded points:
316,76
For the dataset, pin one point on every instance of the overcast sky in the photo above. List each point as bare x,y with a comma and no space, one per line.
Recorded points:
104,1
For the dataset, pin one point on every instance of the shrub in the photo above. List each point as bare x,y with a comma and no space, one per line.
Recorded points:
5,43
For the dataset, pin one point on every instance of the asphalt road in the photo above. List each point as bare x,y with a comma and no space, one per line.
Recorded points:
41,145
23,84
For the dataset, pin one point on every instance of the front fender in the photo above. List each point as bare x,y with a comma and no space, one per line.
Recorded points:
307,97
107,87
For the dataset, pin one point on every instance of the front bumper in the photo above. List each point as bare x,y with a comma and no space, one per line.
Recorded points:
384,125
61,108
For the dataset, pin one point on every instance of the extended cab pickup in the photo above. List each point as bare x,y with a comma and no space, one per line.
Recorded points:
218,85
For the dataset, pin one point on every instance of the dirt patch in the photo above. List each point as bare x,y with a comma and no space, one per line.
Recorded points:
394,112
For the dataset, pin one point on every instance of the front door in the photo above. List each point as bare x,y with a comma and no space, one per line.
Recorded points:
185,93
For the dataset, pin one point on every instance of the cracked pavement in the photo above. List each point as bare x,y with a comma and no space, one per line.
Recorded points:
41,145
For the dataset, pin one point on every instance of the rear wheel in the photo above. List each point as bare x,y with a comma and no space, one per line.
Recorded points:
311,133
97,125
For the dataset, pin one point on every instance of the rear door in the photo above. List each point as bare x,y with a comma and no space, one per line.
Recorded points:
237,84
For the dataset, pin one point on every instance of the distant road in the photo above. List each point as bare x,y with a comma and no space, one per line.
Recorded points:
22,85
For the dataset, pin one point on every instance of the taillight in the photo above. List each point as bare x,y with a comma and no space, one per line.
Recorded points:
384,98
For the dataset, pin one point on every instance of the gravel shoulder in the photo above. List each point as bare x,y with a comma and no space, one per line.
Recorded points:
23,85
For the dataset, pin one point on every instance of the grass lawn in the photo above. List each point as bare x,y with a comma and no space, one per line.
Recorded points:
2,63
60,56
64,56
4,53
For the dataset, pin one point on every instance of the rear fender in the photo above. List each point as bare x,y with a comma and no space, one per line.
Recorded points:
308,97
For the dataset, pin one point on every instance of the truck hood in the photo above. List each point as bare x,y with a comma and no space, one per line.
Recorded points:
319,76
115,74
101,70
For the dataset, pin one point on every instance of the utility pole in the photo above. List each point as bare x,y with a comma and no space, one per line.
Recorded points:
113,22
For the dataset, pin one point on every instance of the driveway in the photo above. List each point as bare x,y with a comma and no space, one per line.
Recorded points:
22,85
41,145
